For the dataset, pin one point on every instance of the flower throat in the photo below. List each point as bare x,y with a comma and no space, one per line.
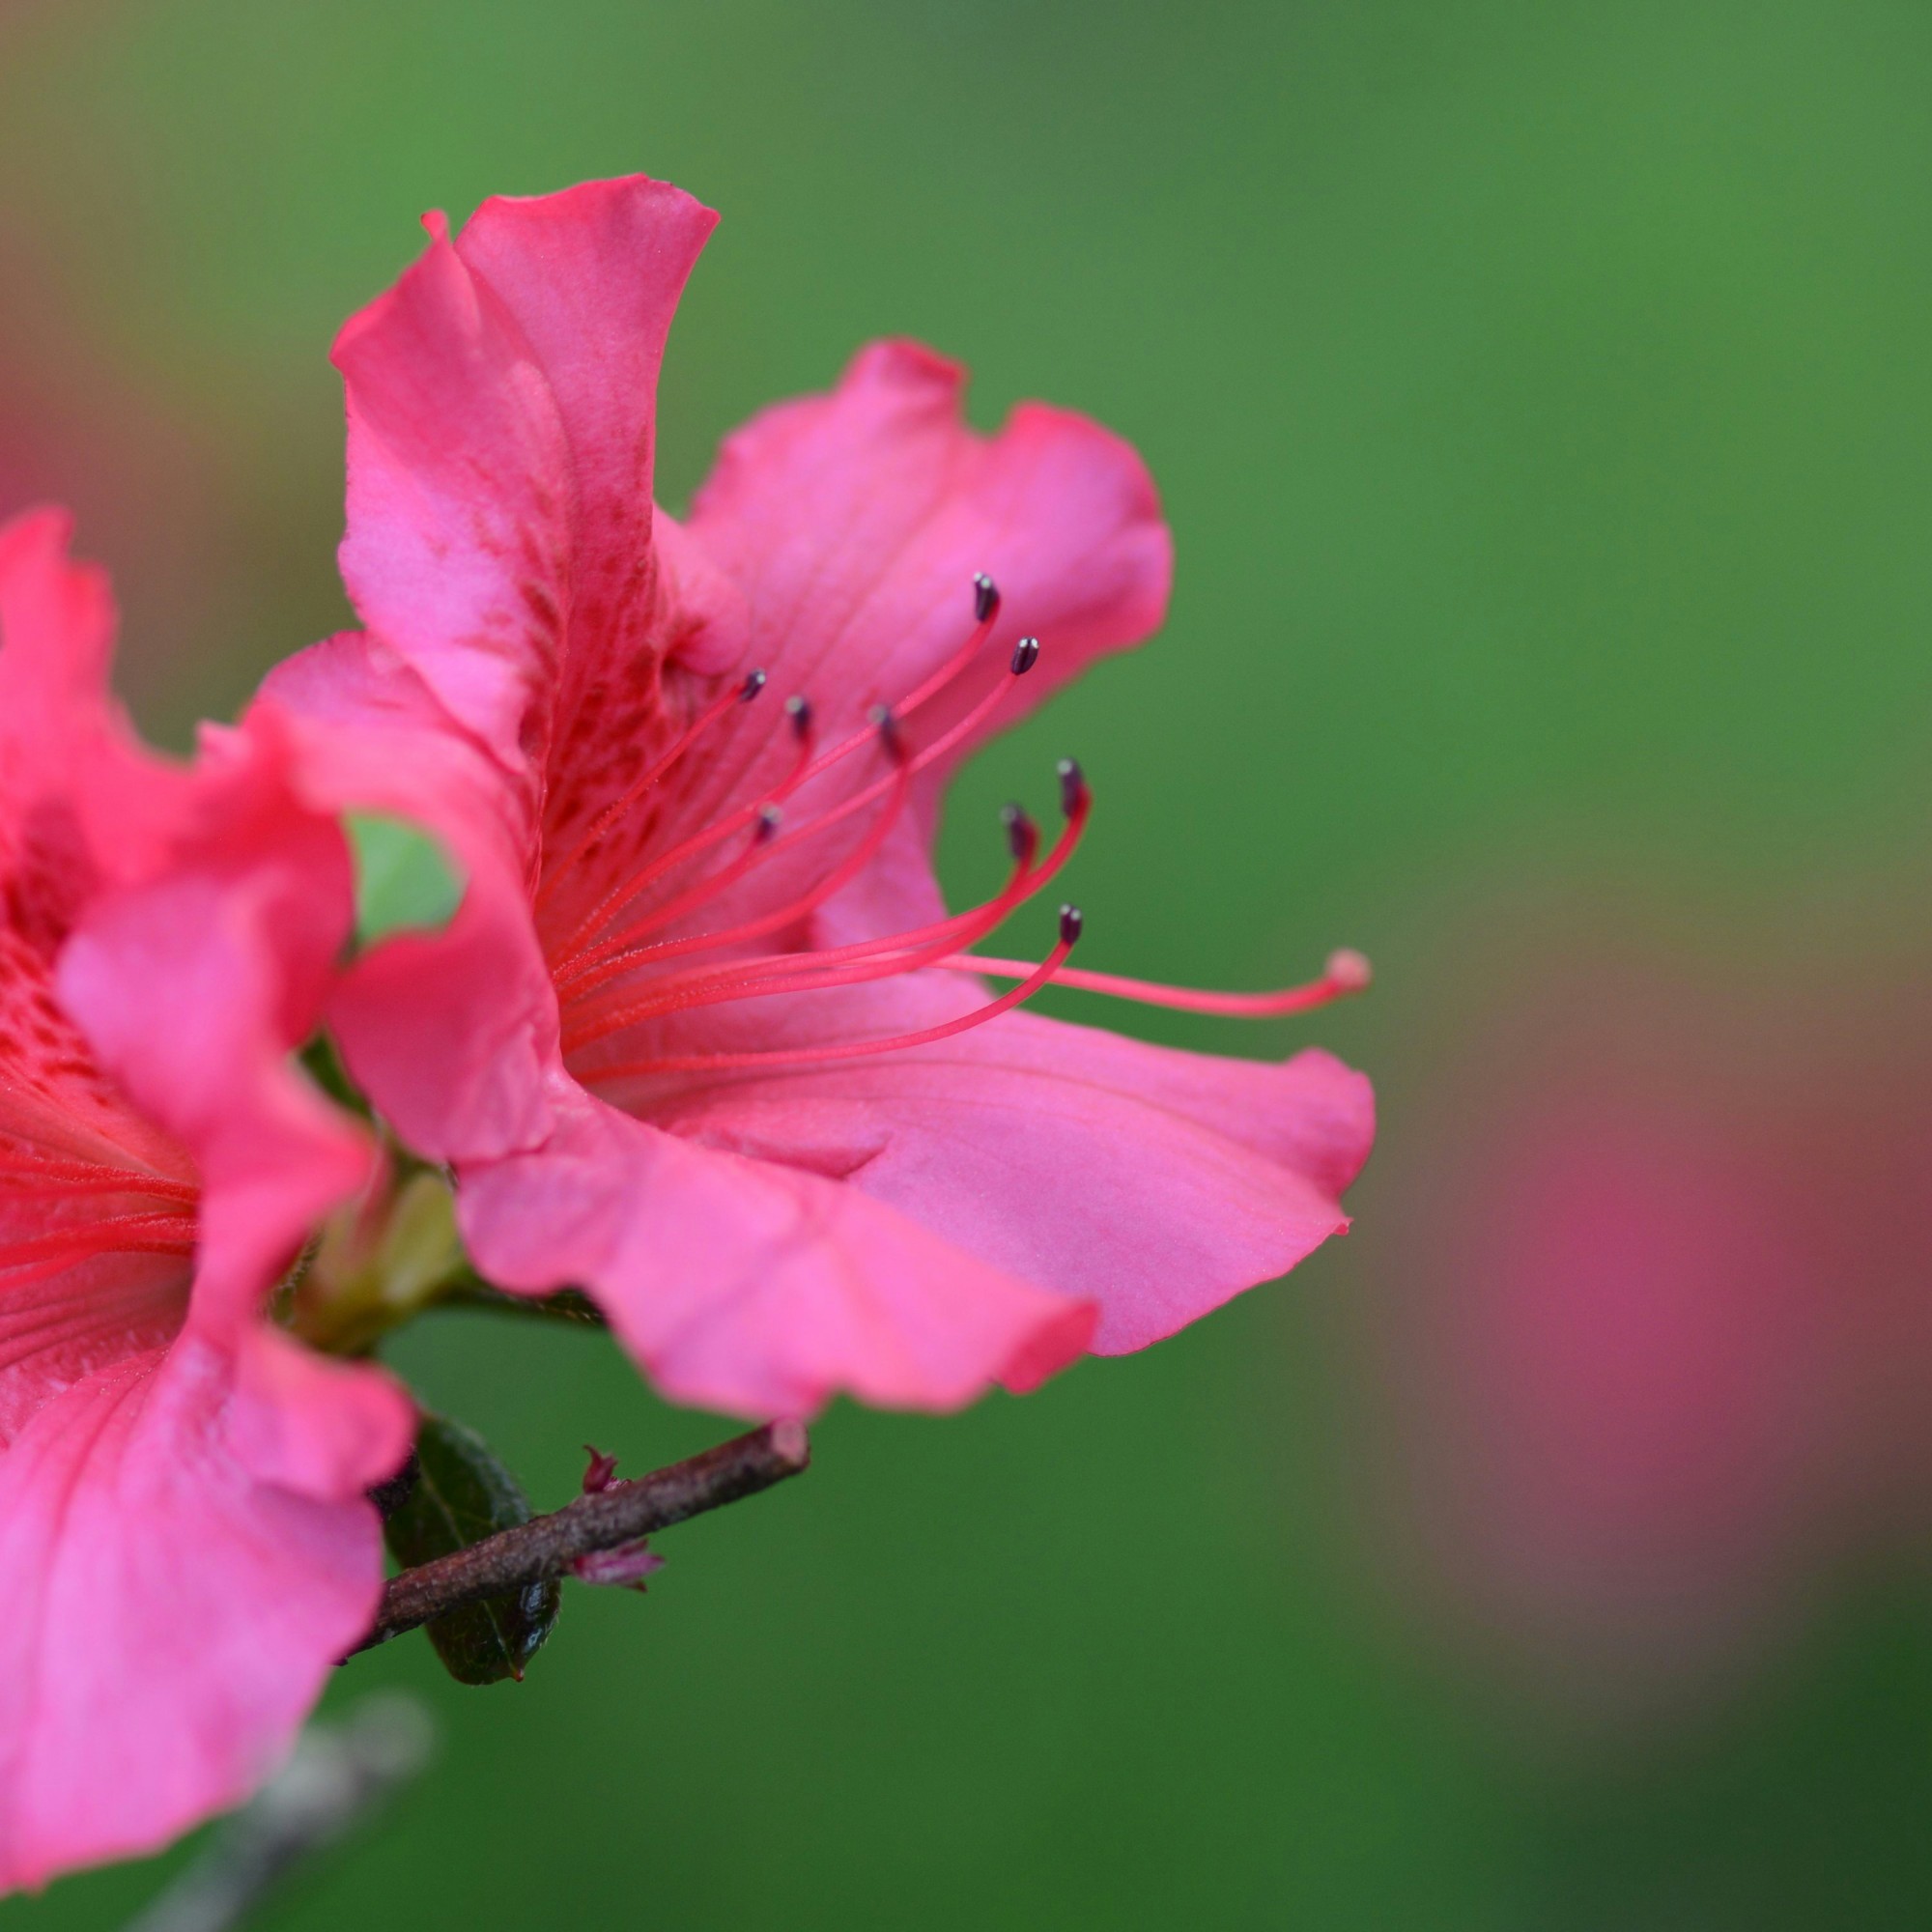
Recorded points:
616,970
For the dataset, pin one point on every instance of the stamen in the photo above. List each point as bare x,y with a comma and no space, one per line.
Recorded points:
901,952
752,683
986,613
930,755
93,1177
799,711
111,1234
812,1056
1072,784
880,717
587,979
1026,654
882,722
847,965
576,957
1346,972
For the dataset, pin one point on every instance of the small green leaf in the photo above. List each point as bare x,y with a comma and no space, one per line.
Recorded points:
461,1494
405,880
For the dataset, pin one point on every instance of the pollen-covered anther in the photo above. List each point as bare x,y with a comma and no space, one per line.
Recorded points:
769,818
1073,793
1026,654
1070,922
1022,833
755,682
798,714
985,598
1347,971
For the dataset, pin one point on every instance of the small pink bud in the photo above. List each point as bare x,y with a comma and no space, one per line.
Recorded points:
597,1477
626,1567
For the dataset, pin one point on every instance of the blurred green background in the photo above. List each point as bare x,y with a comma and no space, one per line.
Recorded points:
1541,398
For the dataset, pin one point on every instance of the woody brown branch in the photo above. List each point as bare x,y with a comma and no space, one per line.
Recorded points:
547,1545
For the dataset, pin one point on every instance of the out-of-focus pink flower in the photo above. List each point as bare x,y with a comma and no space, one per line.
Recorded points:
1658,1300
689,1043
185,1543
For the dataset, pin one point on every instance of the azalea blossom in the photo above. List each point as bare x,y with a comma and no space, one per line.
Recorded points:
185,1543
703,1038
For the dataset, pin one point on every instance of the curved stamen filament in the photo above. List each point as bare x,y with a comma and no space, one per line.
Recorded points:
600,962
850,965
885,719
855,1050
587,980
923,758
113,1233
742,693
883,723
74,1176
1346,972
622,894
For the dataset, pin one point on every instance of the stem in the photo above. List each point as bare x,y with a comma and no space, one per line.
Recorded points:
569,1305
548,1545
339,1780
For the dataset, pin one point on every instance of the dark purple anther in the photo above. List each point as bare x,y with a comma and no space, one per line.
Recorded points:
799,711
769,818
755,682
985,597
1026,654
1022,833
1072,787
886,727
1069,924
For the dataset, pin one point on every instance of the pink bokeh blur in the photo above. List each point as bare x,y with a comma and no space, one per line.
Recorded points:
1654,1321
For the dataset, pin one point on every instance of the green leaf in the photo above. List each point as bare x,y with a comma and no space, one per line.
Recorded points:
461,1494
405,880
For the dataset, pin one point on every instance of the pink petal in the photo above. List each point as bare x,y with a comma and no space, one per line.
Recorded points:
58,621
171,1618
183,1539
759,1290
852,526
194,991
313,1424
1154,1182
449,1032
69,764
501,431
70,1301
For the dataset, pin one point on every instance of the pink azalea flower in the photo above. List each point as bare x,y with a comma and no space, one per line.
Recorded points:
183,1539
694,1041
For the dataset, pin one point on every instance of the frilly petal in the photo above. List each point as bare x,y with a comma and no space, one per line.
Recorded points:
172,1617
759,1290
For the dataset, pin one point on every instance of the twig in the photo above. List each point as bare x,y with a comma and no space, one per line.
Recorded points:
339,1779
547,1545
569,1305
